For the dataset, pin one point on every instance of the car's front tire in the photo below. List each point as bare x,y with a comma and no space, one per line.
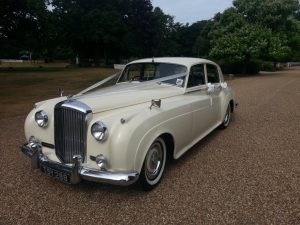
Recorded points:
154,164
227,118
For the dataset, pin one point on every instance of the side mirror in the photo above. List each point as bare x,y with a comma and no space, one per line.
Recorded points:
224,85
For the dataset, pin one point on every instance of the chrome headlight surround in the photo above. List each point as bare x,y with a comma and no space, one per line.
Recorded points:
99,131
41,118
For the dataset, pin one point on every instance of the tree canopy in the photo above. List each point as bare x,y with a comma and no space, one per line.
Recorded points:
106,32
255,30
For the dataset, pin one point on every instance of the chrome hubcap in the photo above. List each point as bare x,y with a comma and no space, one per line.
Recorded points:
227,117
154,161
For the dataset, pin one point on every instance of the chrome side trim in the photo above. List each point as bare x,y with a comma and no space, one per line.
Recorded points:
79,172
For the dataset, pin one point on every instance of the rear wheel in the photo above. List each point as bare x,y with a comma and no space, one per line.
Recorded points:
227,118
154,164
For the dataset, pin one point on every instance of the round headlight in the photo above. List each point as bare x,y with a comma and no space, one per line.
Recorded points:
41,118
99,131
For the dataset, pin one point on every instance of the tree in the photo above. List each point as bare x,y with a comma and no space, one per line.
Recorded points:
20,26
193,39
164,26
242,46
255,30
272,14
93,29
201,45
141,23
279,16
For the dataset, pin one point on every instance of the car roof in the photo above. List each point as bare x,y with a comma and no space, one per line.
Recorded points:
186,61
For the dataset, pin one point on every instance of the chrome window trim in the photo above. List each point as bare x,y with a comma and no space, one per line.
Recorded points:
189,89
218,69
196,88
186,73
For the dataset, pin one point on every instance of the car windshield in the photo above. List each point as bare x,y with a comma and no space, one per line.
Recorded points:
141,72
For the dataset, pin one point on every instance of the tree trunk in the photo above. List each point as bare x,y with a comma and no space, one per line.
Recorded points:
246,64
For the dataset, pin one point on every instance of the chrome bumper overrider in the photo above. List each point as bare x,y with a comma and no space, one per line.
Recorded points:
77,171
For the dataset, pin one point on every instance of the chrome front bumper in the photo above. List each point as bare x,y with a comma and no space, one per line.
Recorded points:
76,172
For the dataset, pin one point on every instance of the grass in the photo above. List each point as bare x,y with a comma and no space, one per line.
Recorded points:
21,87
32,65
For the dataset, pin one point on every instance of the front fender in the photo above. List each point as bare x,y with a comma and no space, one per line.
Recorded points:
129,142
175,122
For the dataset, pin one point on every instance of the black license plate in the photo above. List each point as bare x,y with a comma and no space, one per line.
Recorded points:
62,176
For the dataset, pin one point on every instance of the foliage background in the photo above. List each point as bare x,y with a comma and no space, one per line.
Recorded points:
242,38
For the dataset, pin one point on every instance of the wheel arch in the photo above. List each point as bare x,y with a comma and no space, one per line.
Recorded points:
170,144
146,143
231,102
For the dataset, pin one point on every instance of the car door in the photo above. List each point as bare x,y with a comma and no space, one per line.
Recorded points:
200,101
214,80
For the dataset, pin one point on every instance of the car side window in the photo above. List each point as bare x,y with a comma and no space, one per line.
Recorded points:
133,72
149,72
212,74
197,76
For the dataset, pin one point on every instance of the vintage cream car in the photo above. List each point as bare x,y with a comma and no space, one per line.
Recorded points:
118,134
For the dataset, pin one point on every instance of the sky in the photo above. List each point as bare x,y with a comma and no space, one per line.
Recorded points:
190,11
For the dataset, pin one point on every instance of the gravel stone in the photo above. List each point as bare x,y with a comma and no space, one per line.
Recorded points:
246,174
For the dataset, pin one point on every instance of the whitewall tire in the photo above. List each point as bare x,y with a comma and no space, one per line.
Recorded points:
227,118
154,164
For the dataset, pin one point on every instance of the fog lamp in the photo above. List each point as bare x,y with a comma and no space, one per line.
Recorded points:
34,143
101,162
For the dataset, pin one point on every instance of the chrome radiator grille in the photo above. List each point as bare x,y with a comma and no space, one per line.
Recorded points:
70,133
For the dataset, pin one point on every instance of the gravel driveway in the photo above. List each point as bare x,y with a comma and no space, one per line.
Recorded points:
246,174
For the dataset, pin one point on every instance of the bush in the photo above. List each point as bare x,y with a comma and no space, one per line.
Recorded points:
63,53
253,67
228,67
267,66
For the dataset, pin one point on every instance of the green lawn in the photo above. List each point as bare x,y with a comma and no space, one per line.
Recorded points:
21,87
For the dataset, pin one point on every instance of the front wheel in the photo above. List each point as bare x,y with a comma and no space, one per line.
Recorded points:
227,118
154,164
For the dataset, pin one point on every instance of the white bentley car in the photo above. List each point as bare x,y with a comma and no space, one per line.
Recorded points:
118,134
